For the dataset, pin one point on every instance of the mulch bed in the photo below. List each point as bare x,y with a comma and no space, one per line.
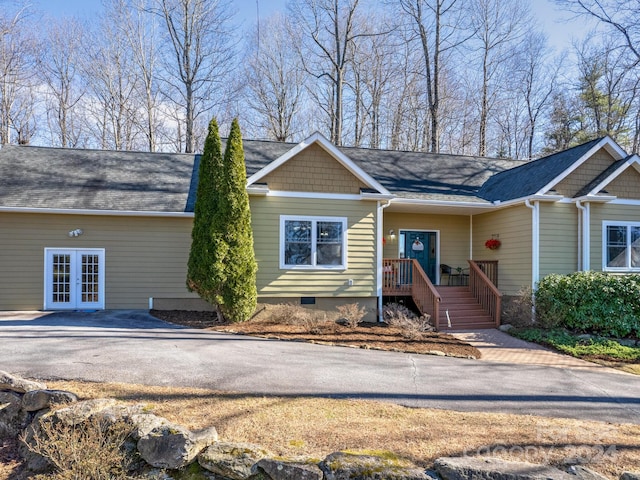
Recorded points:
367,335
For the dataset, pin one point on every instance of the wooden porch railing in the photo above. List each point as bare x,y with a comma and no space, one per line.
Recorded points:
404,276
490,269
484,290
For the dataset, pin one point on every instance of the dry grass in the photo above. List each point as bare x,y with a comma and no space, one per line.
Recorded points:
316,427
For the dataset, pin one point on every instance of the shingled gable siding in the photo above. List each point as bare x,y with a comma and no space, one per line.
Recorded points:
626,185
612,213
145,256
313,170
513,225
585,173
293,284
453,229
558,238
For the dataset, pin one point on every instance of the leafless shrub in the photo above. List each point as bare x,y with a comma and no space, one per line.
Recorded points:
91,450
411,326
518,310
291,314
351,314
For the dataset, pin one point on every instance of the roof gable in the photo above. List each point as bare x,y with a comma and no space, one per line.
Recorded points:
539,177
332,150
621,179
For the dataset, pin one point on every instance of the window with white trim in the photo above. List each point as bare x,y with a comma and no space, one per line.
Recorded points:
621,246
313,242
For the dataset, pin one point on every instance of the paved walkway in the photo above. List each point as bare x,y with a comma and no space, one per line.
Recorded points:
499,347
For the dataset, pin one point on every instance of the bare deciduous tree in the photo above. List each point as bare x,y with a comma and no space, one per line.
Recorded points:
58,64
17,60
275,81
199,63
330,30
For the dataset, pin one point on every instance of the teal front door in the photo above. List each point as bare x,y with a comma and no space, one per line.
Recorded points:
423,247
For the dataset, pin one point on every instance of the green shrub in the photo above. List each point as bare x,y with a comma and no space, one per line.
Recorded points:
591,302
579,347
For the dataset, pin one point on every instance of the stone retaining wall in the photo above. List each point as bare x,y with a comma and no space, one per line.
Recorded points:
26,406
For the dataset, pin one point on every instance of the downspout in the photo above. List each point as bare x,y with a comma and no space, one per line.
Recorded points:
379,249
535,242
584,233
470,237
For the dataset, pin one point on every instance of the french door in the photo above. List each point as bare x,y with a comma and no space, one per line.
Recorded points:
74,278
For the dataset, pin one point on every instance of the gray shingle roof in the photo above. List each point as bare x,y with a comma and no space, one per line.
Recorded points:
57,178
600,178
529,178
426,175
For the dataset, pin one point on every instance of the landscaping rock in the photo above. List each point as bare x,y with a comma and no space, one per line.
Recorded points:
348,466
17,384
173,446
40,399
280,470
12,418
583,473
80,412
145,423
232,460
462,468
506,327
630,476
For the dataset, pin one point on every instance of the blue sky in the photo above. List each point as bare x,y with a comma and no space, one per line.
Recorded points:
552,20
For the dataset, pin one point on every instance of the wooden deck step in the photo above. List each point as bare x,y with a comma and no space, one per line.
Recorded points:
464,311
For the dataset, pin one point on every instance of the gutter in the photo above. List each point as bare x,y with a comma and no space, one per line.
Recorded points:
106,213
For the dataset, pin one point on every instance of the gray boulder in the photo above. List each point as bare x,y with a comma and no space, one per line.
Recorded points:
630,476
80,412
13,419
348,466
462,468
40,399
145,423
17,384
232,460
287,470
173,446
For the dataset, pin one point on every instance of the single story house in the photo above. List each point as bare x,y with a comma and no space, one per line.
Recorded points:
90,229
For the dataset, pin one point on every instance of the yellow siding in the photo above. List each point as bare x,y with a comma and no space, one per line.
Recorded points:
313,170
453,230
626,185
585,173
558,238
610,213
361,224
513,226
144,257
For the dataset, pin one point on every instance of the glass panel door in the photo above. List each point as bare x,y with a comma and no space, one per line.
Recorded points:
74,278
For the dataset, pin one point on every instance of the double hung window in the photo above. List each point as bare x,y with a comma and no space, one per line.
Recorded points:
313,242
621,246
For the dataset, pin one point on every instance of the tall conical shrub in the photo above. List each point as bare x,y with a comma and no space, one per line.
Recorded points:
207,258
239,295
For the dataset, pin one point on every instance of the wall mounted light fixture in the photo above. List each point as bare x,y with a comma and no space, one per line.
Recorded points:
76,233
392,233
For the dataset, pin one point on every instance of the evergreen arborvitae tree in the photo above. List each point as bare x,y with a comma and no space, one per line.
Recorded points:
239,295
206,268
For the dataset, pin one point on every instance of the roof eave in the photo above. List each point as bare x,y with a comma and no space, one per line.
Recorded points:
112,213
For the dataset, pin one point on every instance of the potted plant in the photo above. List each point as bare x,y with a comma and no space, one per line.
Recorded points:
492,244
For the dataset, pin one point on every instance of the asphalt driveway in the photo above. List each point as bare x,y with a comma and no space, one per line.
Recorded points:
133,347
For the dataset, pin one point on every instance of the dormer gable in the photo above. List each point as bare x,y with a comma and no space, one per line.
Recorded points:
316,165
